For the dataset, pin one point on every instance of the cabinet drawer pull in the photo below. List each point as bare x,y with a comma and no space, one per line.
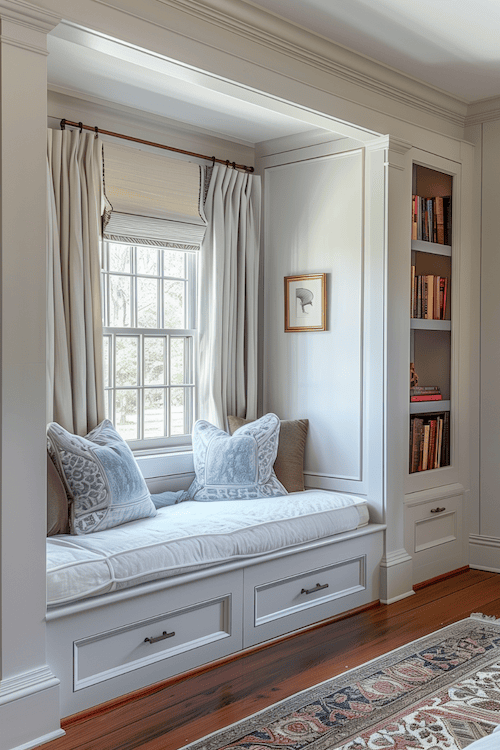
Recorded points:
318,587
159,637
437,510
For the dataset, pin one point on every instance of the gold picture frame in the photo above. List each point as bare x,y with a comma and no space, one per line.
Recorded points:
305,302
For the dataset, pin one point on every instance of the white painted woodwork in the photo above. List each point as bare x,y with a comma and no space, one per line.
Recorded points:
29,697
140,644
275,598
280,66
434,535
96,646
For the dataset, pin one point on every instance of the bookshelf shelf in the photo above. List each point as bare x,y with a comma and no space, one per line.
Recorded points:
424,324
429,407
430,338
431,247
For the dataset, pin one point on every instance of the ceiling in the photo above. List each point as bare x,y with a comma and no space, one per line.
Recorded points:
453,45
449,44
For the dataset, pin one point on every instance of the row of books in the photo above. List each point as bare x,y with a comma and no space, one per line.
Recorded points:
429,294
425,393
429,441
431,219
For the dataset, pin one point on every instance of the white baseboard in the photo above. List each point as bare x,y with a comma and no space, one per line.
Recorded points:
29,710
484,553
396,576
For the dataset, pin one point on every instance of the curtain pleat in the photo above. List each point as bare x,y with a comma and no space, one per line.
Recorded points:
228,306
75,397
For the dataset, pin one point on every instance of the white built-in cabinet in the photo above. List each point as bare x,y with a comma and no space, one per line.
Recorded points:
437,437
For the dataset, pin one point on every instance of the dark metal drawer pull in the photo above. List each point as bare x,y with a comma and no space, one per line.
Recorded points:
437,510
159,637
318,587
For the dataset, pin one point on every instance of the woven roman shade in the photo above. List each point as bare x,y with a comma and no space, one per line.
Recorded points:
151,199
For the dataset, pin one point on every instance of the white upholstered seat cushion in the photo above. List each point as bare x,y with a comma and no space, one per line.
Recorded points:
190,536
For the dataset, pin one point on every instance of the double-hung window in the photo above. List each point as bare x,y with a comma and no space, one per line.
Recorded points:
149,318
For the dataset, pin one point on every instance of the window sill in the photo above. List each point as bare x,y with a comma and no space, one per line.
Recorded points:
172,469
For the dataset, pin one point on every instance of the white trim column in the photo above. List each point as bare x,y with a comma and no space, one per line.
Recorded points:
388,170
29,693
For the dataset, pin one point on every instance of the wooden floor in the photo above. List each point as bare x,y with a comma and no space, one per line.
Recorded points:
186,709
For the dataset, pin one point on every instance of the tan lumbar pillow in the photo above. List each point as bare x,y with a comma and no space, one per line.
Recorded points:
289,464
57,502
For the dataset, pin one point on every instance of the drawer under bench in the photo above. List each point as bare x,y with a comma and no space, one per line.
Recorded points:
110,645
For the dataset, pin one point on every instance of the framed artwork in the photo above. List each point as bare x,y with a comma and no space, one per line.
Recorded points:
305,302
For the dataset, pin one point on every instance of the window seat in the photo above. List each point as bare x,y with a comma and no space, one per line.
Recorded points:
190,536
134,605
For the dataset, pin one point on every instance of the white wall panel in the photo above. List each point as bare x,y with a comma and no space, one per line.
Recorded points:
313,224
489,521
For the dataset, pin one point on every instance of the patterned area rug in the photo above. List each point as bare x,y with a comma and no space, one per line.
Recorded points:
441,692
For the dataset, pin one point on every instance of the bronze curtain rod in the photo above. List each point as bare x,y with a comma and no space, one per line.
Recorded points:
228,163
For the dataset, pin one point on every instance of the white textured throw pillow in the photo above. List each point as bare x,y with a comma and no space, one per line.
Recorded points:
237,467
101,476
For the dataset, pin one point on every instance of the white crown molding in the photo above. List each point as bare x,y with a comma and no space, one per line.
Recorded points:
487,110
273,32
28,15
258,26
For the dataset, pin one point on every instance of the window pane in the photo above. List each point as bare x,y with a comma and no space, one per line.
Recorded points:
174,315
147,260
154,413
105,360
119,301
119,258
108,405
154,360
147,303
126,360
126,421
177,411
178,373
174,264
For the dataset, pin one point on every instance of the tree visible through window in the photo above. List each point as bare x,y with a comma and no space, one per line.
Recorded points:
149,341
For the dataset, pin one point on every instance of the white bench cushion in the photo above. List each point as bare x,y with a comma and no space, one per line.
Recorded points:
190,536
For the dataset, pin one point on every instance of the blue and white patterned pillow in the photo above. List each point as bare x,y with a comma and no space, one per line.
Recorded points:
238,466
101,477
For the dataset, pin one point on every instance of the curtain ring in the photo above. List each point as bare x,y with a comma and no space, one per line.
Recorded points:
96,131
227,163
80,125
234,165
63,124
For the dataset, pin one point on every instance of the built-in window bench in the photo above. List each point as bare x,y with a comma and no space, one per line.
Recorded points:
114,628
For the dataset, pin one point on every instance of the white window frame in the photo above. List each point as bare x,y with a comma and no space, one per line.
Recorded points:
169,442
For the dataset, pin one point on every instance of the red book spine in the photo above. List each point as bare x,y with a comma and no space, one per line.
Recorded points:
432,397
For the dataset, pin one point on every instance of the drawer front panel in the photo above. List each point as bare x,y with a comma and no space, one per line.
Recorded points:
101,657
286,594
300,592
433,537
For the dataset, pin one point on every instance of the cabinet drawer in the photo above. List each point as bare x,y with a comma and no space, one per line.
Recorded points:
295,591
434,537
106,655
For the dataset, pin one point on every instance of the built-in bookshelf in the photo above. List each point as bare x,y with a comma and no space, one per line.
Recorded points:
430,320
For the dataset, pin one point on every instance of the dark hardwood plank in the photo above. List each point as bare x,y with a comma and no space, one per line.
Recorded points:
188,707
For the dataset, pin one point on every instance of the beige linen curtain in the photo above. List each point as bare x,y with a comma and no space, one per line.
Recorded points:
228,288
75,397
